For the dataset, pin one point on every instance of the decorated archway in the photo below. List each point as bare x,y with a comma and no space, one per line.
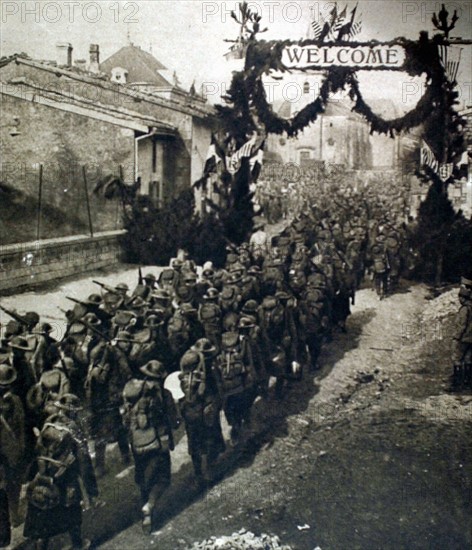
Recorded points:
248,117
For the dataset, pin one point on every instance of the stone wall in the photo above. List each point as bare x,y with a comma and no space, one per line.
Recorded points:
33,263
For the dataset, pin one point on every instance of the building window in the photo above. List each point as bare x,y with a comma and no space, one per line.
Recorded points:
304,155
306,88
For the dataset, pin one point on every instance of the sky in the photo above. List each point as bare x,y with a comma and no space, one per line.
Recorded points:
188,36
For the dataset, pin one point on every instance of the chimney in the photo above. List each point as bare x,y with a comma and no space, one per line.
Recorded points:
64,54
94,65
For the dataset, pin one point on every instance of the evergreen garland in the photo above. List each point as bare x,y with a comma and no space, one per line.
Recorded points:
435,109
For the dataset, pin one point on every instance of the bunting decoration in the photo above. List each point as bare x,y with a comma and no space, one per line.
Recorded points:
450,57
428,158
336,26
233,161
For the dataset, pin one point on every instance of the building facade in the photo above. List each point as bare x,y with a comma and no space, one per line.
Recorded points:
79,118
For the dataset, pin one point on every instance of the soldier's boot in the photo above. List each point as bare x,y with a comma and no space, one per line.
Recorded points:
100,448
146,522
279,388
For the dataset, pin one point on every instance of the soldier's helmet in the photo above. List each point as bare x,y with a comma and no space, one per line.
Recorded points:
211,294
282,296
12,328
229,339
91,319
204,346
54,440
250,307
69,402
208,273
31,318
94,300
254,270
177,264
150,278
187,309
138,303
154,369
189,361
122,287
235,278
154,320
7,375
189,277
246,323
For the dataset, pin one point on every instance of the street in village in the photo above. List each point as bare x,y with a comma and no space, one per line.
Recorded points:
372,452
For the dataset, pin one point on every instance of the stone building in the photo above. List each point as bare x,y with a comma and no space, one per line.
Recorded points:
69,115
68,125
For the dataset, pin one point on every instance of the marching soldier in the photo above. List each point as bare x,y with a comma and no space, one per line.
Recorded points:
12,447
462,351
150,417
238,381
201,407
54,492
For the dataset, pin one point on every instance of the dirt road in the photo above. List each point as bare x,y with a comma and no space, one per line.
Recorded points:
371,453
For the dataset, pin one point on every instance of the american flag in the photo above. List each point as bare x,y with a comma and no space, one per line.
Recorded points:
244,151
450,57
317,28
351,27
428,158
337,23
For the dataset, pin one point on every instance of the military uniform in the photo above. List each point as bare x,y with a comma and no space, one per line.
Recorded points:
150,416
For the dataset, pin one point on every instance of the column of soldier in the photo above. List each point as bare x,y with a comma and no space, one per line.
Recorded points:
225,331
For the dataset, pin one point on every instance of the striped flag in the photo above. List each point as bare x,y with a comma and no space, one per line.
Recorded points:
350,27
233,162
450,57
338,24
428,158
356,28
317,29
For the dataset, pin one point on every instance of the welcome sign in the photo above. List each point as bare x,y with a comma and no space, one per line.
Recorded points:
360,56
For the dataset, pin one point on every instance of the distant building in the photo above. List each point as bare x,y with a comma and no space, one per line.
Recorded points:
119,116
338,136
460,193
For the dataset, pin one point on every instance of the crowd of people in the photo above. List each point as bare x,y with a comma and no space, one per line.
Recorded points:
220,332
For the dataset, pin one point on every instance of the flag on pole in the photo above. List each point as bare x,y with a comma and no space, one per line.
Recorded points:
353,27
428,158
317,28
450,57
337,23
233,162
328,28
